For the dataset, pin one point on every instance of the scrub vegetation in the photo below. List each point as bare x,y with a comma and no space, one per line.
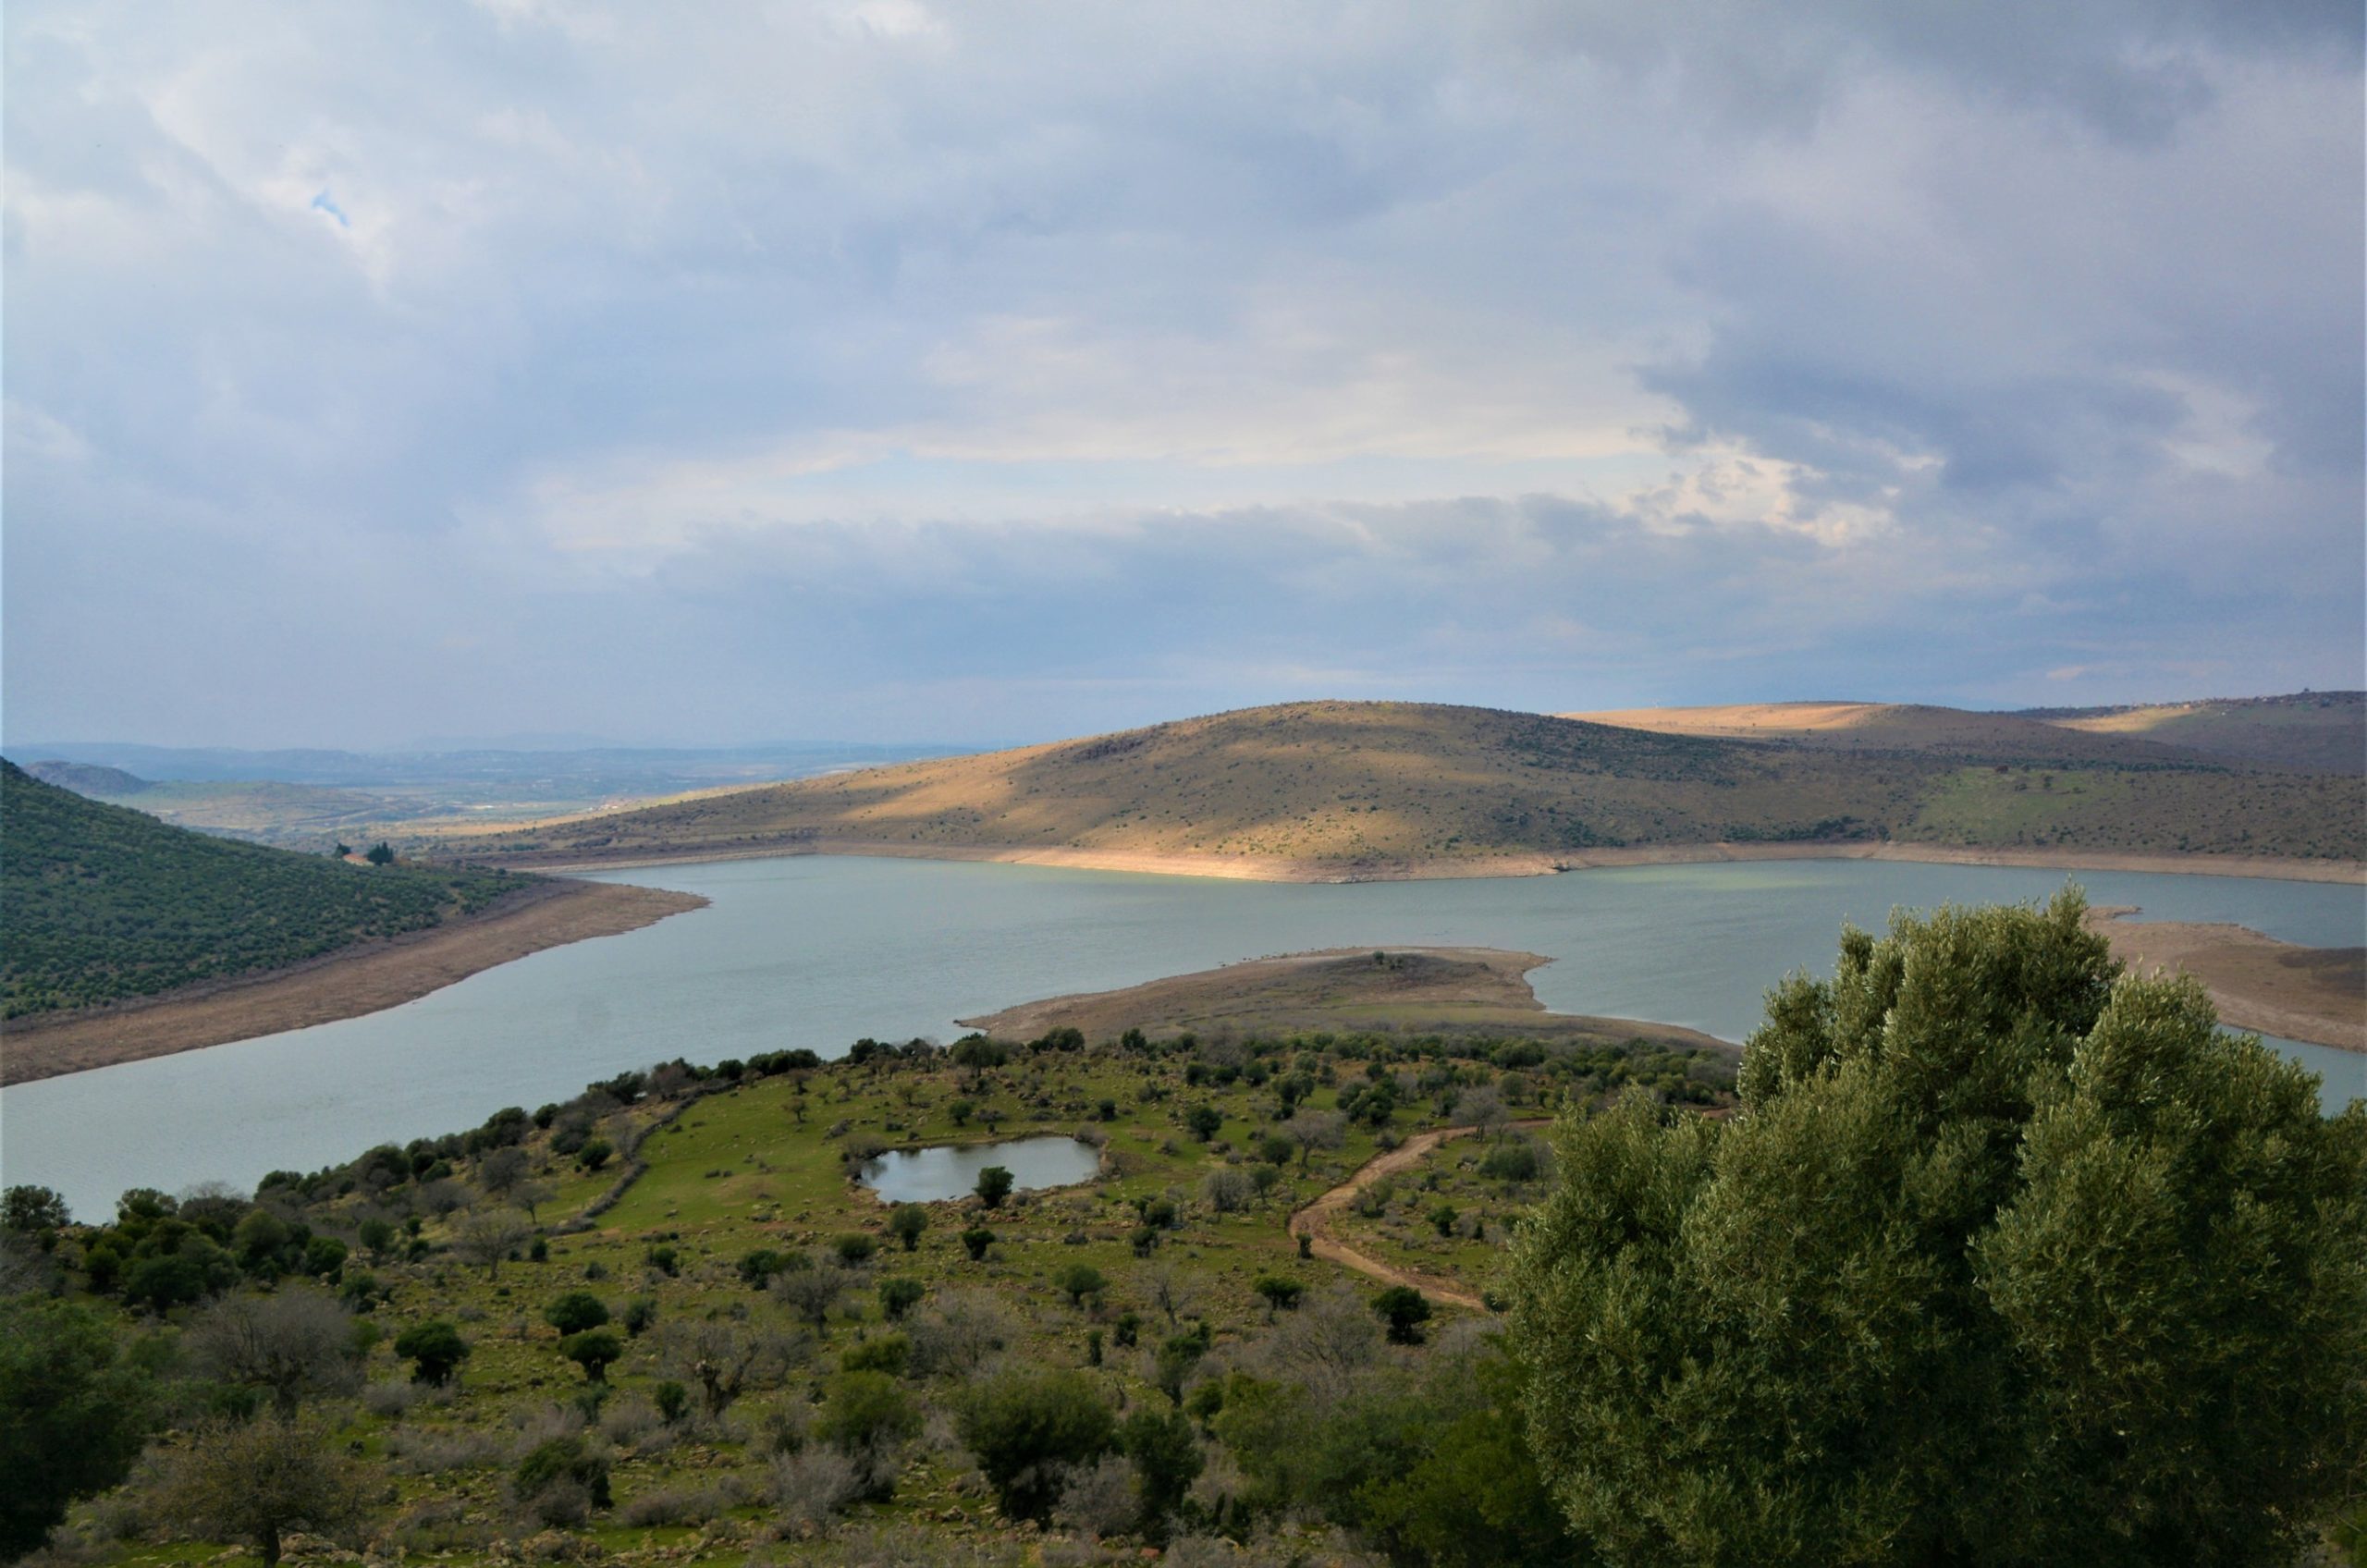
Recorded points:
1987,1255
106,904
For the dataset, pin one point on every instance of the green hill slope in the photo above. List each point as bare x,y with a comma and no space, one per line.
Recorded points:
104,904
1381,788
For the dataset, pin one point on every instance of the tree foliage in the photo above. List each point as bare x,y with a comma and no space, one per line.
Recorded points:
258,1480
1026,1428
2008,1259
72,1416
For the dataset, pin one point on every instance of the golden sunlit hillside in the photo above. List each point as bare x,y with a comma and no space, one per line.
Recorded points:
1356,790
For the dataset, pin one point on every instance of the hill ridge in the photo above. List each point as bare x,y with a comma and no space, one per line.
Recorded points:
1331,789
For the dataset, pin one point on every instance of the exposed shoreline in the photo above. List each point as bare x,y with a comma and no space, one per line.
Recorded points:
347,983
1273,868
2318,994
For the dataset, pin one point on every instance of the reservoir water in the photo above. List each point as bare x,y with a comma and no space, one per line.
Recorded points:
818,952
951,1170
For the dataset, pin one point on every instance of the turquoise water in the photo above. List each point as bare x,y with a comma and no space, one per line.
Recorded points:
951,1170
818,952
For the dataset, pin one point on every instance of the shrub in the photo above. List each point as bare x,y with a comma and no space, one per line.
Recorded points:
855,1248
890,1354
594,1154
1278,1292
672,1399
813,1486
559,1463
435,1349
905,1222
994,1185
900,1296
1404,1310
1203,1121
1024,1428
975,1241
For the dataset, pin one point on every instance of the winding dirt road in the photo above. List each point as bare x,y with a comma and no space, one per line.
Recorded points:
1313,1221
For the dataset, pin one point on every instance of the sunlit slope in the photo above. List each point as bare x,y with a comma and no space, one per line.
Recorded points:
2324,731
1379,787
1911,726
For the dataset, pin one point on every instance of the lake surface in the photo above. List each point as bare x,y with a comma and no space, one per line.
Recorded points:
818,952
951,1170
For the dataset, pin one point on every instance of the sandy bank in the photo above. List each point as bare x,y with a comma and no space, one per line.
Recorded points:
2313,994
343,985
1257,868
1480,989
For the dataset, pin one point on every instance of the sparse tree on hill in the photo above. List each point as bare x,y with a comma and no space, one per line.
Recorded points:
381,853
290,1344
2004,1260
488,1236
257,1481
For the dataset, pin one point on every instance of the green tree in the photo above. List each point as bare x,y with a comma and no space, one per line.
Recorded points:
435,1349
898,1296
381,853
1279,1293
1079,1280
30,1210
576,1312
1023,1428
975,1241
1203,1121
2006,1259
1167,1458
72,1416
905,1222
867,1417
595,1350
994,1185
256,1481
1404,1310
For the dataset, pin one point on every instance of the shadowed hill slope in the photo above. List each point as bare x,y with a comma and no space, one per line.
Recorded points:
1353,789
106,904
2323,731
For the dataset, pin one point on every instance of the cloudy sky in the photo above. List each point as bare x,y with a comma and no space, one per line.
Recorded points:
890,369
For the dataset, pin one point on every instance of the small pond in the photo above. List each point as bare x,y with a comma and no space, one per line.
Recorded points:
951,1170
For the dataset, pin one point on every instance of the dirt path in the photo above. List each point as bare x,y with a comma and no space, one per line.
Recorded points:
340,985
1313,1221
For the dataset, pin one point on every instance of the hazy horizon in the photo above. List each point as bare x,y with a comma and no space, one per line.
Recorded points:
905,373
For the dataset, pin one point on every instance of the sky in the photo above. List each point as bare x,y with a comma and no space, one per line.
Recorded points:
881,370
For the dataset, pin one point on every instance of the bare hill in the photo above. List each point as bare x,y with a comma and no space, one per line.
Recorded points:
1354,789
2322,732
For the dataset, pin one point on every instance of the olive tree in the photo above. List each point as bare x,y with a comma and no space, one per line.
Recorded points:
2007,1257
256,1482
290,1344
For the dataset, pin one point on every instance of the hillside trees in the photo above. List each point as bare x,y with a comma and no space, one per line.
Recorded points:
2006,1259
289,1344
72,1416
256,1481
